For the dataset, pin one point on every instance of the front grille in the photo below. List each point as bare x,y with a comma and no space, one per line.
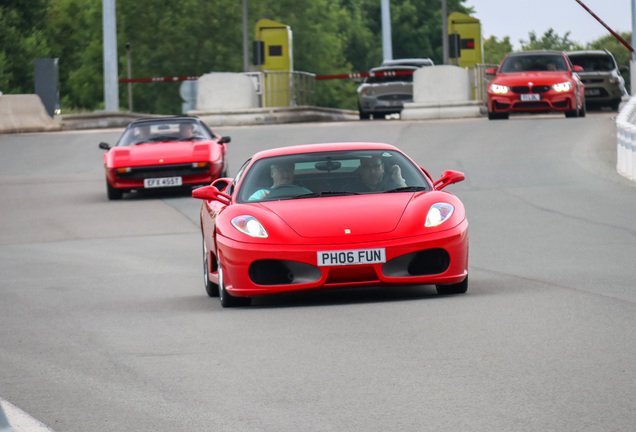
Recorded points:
602,93
540,89
501,105
282,272
422,263
592,80
527,89
396,97
160,171
532,104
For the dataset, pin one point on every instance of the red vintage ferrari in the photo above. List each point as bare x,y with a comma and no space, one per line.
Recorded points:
327,216
164,153
535,82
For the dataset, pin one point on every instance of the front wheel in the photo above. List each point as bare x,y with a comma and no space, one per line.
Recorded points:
210,287
226,299
113,193
497,116
458,288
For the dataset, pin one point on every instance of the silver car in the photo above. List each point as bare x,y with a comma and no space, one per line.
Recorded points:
604,85
381,94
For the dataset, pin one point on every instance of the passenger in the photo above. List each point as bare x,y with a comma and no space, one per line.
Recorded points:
187,131
371,176
282,174
551,67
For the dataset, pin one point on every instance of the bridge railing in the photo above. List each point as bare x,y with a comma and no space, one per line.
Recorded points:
626,140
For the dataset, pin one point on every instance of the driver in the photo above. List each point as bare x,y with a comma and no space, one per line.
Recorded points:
282,174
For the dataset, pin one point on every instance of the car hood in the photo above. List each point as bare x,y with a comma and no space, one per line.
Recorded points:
336,216
161,153
536,78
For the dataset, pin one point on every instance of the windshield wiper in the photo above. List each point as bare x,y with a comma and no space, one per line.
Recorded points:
407,189
326,193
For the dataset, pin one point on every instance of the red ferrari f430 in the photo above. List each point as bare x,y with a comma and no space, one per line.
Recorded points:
330,216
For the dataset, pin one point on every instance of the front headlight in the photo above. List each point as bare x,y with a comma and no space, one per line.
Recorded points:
499,89
249,225
438,214
562,87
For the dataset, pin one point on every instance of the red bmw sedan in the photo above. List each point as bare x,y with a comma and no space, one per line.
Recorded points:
535,82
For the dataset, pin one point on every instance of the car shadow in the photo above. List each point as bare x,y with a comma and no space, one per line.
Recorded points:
339,297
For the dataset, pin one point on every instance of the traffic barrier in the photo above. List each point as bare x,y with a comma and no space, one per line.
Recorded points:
626,140
24,113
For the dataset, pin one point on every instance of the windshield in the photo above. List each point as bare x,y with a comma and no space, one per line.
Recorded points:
594,62
533,63
164,131
311,175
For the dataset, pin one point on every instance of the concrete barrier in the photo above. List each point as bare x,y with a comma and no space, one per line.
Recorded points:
225,91
24,113
626,140
441,92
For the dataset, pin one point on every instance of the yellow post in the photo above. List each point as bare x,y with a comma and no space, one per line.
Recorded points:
275,41
469,30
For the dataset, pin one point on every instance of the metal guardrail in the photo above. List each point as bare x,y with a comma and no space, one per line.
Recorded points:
626,140
284,89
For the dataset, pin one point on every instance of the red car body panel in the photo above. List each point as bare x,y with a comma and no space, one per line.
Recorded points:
538,83
298,229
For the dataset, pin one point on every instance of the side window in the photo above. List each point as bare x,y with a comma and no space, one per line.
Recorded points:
232,187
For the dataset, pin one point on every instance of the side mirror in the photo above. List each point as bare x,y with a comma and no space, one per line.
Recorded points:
104,146
224,140
577,68
490,71
448,178
211,193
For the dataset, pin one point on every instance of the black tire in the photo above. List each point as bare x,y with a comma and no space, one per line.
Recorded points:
225,298
497,116
210,287
363,114
458,288
113,193
583,110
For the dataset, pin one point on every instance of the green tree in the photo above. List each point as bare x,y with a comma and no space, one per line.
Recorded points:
495,50
549,41
194,37
22,40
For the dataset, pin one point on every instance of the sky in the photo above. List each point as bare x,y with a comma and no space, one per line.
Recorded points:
517,18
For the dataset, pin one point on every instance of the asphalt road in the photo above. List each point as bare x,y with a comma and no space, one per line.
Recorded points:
105,324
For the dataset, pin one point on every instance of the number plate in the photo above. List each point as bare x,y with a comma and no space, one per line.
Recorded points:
351,257
530,97
592,92
162,182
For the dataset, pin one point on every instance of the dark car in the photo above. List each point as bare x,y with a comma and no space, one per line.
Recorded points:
388,87
604,85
